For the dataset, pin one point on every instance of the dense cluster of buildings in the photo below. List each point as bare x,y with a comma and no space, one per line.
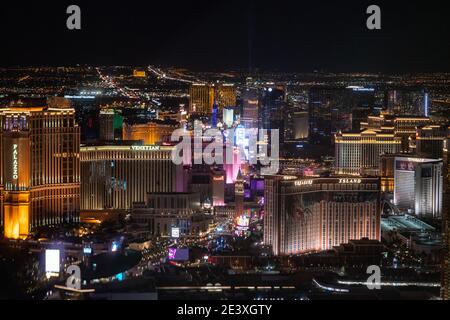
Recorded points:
388,152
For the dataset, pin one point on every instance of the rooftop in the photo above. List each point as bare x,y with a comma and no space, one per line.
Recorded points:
404,223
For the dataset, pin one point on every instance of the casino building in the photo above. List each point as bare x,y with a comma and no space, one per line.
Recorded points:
202,97
152,132
445,278
418,185
115,176
359,153
39,167
308,215
430,141
163,211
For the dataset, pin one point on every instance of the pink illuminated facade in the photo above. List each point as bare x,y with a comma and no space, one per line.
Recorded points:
233,168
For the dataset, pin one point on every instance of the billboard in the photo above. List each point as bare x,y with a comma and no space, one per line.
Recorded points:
243,221
175,232
405,165
178,254
52,260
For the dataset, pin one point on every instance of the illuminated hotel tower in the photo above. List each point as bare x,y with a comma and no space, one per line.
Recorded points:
225,95
152,132
418,185
218,186
404,127
308,215
359,153
40,180
201,98
445,283
115,176
106,118
250,108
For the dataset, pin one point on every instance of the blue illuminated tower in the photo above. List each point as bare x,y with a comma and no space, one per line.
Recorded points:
214,114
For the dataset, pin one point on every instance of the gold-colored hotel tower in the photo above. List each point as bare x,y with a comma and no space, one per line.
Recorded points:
39,167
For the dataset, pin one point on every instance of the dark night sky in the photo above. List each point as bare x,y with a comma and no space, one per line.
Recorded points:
210,35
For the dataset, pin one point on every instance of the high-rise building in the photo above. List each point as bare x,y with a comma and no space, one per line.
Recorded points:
40,168
250,108
202,97
307,215
445,283
337,109
218,186
404,127
164,211
113,177
228,116
106,123
225,95
418,185
359,115
300,125
201,181
430,141
408,102
271,107
387,171
320,105
359,153
361,101
152,132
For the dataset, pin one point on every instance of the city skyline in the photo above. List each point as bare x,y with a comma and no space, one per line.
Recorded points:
354,180
260,151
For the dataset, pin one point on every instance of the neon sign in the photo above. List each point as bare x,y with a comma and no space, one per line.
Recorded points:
349,180
299,183
15,162
145,148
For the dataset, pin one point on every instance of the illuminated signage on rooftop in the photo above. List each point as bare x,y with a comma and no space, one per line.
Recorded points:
145,148
359,88
299,183
349,180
